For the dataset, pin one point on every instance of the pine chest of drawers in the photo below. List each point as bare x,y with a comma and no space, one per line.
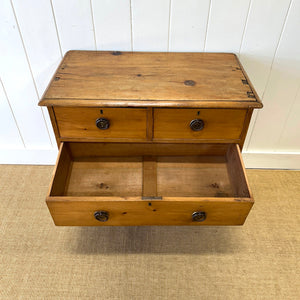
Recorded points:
149,139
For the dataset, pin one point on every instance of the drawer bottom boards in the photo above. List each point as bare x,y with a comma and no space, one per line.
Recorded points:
98,184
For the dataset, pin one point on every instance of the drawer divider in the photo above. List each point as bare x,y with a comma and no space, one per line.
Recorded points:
149,176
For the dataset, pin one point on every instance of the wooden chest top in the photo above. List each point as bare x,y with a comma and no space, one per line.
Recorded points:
140,79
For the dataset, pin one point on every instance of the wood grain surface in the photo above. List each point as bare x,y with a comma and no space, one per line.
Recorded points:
109,176
236,172
87,151
111,78
80,122
149,176
128,186
218,123
169,211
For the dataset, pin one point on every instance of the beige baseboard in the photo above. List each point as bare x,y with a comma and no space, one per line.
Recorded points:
272,160
28,156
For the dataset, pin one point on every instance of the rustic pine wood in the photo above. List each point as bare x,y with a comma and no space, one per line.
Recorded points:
151,103
143,140
149,167
88,151
61,171
219,124
93,78
150,123
237,173
161,125
149,176
101,174
54,125
110,176
128,184
78,122
248,82
245,128
193,176
79,211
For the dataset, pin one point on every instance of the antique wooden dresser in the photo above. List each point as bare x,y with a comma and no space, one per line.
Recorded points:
149,139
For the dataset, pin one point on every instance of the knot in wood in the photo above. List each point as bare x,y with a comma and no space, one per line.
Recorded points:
190,82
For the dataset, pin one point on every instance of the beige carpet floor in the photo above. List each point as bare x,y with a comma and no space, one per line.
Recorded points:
259,260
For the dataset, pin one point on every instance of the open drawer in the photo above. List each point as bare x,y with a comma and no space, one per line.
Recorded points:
96,184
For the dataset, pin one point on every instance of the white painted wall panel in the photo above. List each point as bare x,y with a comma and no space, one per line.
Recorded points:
9,134
226,25
188,23
261,37
282,87
40,39
18,83
41,43
74,24
150,25
112,19
289,140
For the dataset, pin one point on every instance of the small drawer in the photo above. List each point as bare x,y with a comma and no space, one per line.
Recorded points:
98,123
97,184
198,124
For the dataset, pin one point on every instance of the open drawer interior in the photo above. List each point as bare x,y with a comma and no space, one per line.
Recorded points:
149,184
144,170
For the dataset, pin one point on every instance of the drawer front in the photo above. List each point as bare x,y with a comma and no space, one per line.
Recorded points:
197,124
98,123
123,212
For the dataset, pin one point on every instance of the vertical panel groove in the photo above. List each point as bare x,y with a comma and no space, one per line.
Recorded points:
287,117
150,25
112,25
207,24
30,69
269,75
245,26
277,46
94,28
169,28
226,25
58,38
251,133
131,26
12,112
23,44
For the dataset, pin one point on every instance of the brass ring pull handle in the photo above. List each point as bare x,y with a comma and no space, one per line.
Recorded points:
199,216
197,124
101,216
102,123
